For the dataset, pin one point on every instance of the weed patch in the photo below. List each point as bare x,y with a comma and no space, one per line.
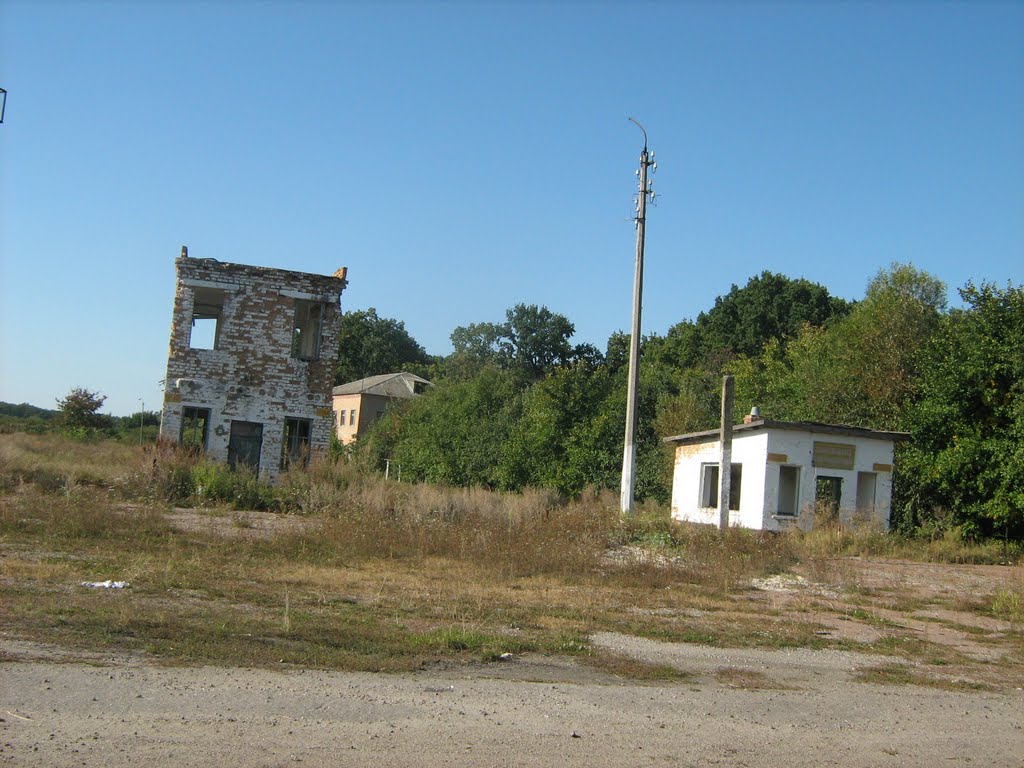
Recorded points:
899,674
749,680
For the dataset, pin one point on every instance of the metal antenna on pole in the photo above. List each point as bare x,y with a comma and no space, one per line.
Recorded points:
629,449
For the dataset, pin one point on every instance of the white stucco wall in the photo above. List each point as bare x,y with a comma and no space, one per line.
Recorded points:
748,450
762,453
870,455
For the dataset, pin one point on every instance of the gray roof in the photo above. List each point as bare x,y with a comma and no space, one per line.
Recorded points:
798,426
396,385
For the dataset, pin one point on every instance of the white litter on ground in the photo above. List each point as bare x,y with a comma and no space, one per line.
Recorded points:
108,584
790,582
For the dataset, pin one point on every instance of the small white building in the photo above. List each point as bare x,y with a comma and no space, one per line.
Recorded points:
782,471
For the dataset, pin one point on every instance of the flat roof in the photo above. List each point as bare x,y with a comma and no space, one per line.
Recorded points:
792,426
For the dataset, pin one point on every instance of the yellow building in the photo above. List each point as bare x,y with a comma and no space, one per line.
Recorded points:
360,403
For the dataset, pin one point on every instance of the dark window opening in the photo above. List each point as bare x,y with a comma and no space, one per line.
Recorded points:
306,329
195,426
709,485
296,442
207,308
245,445
828,493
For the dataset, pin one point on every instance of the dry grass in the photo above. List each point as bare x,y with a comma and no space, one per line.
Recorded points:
394,587
380,575
55,463
901,674
749,679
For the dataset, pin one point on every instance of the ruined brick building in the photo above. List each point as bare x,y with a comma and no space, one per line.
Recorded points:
251,363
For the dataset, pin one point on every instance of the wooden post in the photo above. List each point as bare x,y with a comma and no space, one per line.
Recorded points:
725,459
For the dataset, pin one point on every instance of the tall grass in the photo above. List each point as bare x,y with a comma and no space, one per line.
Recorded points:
838,540
364,573
362,515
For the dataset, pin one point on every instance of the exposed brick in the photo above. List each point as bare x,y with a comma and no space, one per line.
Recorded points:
252,375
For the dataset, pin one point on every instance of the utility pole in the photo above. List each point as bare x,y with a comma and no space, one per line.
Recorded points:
725,456
629,450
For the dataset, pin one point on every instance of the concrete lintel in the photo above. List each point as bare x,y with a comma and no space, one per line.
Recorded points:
323,298
193,283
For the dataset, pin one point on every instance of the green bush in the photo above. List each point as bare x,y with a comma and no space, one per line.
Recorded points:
213,483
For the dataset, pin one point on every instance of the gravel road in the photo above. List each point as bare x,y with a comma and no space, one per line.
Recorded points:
115,712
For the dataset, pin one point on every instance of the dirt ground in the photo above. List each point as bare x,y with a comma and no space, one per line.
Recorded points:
755,707
739,707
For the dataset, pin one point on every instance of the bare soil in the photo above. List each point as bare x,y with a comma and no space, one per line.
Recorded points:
960,701
797,708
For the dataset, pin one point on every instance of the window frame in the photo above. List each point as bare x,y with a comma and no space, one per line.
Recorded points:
207,305
709,485
305,327
795,470
296,441
198,414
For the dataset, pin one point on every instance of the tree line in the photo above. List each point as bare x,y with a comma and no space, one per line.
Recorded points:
518,404
77,414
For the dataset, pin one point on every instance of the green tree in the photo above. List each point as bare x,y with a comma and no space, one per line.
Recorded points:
567,437
455,433
616,354
966,460
532,341
79,410
769,306
861,369
477,345
879,343
369,345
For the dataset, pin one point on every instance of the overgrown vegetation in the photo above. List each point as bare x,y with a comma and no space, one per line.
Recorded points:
517,405
78,416
354,572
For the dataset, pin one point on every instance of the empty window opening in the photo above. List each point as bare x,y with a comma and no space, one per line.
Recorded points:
195,426
789,490
207,309
296,443
709,486
828,493
306,331
866,483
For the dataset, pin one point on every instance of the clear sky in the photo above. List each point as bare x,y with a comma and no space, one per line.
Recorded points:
460,158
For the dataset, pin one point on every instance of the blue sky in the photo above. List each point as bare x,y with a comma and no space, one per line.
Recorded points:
460,158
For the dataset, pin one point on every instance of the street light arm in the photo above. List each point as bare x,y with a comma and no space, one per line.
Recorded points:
632,120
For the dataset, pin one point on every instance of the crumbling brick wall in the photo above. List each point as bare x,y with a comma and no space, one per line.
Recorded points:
270,364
